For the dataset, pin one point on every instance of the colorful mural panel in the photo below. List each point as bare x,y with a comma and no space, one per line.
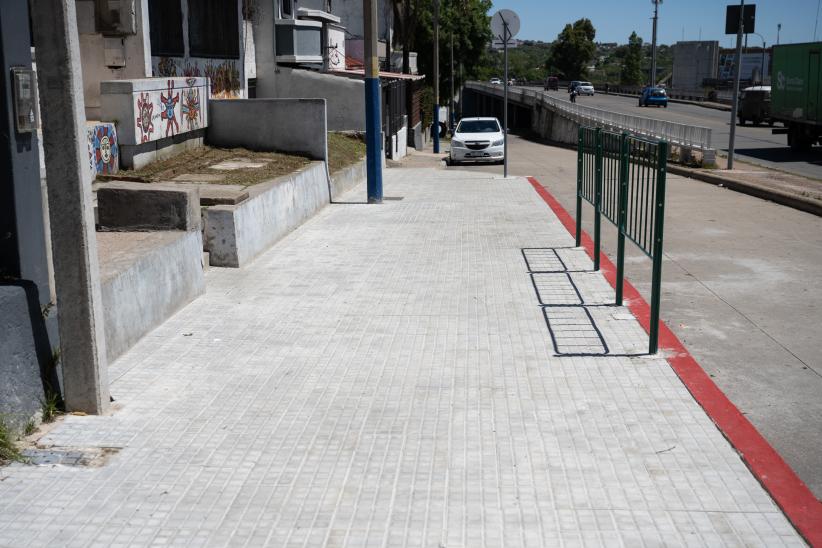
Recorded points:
174,106
103,151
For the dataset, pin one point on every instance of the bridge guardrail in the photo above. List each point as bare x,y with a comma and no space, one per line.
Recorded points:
693,137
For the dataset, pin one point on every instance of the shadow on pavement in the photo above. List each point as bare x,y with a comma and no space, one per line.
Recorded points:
783,155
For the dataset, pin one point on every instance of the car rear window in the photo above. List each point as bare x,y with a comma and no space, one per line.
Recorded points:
658,93
478,126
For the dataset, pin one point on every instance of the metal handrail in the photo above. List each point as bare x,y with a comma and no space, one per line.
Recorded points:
679,134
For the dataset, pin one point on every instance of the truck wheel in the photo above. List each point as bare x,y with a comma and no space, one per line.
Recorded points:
741,121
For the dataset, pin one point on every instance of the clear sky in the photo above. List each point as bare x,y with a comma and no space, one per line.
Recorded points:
614,20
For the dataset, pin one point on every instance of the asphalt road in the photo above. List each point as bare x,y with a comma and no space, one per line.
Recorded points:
753,144
741,288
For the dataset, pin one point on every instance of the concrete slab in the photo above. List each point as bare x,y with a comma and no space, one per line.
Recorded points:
198,178
238,163
124,205
216,194
384,376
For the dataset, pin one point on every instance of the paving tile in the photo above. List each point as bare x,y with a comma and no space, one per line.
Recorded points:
384,376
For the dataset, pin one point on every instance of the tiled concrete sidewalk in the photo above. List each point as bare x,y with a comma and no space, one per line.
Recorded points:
384,376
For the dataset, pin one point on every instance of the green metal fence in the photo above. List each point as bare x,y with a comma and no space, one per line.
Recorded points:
623,177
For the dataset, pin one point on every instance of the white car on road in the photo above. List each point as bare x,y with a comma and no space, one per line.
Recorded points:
477,140
585,88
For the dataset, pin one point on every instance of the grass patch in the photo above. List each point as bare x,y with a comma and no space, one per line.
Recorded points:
199,160
51,407
8,449
344,149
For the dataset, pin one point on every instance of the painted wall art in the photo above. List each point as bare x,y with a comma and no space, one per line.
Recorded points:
103,151
223,74
171,107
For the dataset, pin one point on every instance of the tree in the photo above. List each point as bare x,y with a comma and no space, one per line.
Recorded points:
471,27
573,49
632,62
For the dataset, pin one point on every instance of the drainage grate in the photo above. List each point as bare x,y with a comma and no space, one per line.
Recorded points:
574,332
556,289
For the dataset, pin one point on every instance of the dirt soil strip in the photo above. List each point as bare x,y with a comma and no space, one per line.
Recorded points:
790,493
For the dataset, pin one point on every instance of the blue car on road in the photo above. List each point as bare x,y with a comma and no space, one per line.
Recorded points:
653,96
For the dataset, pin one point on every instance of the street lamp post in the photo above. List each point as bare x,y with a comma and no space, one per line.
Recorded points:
778,30
762,64
656,4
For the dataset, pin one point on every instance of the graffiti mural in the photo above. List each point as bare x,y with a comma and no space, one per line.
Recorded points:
191,105
145,113
224,75
168,104
162,108
103,152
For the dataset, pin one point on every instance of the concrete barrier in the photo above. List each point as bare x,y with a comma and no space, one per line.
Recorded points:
284,125
347,178
236,234
145,278
127,206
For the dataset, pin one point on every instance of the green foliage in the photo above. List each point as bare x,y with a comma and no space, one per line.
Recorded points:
467,21
573,50
632,74
51,407
8,449
525,62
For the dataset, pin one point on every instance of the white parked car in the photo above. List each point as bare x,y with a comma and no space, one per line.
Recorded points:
585,88
496,81
478,140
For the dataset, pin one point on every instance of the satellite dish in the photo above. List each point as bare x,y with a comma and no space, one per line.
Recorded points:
502,18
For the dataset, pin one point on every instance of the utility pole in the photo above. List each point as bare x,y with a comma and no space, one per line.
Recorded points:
373,131
653,42
505,36
451,100
778,30
436,76
737,75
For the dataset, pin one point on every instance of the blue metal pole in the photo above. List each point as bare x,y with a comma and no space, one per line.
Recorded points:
373,120
436,76
373,139
436,129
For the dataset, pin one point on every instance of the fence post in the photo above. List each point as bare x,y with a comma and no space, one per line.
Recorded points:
622,212
659,222
580,167
597,196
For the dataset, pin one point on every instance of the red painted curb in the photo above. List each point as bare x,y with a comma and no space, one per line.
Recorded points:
790,493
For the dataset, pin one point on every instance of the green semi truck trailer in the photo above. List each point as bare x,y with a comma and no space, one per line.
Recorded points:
795,93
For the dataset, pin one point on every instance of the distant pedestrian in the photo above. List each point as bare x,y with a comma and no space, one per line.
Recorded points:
574,95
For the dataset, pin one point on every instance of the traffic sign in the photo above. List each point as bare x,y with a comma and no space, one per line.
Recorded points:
496,43
748,19
500,20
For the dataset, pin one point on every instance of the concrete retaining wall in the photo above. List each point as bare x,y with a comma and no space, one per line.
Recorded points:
287,125
145,281
347,178
345,96
236,234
